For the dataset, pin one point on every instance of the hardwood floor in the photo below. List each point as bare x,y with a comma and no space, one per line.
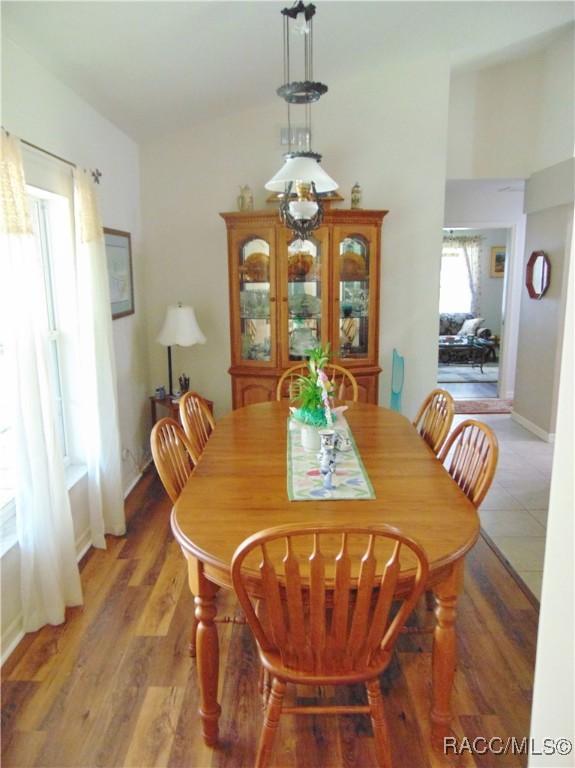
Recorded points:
114,686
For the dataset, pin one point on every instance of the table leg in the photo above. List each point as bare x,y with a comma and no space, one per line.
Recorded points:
444,653
207,657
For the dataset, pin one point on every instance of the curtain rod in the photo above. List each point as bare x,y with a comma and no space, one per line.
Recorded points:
96,173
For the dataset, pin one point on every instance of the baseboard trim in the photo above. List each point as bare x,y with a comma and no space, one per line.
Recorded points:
549,437
511,570
11,636
83,544
132,485
137,479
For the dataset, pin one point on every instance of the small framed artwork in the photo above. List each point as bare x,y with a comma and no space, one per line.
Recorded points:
119,260
497,261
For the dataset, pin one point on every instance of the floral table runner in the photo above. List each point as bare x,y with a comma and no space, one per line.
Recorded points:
304,481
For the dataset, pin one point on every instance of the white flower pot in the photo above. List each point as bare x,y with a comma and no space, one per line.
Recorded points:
310,439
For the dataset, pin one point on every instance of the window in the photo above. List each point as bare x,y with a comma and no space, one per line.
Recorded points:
7,481
41,221
455,291
51,218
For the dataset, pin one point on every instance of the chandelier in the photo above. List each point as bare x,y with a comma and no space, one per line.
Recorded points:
301,181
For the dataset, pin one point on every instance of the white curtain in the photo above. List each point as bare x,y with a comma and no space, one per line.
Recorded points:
49,573
471,250
101,437
468,248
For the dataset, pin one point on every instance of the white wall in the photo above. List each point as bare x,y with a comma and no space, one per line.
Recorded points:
553,714
514,118
39,108
549,226
379,139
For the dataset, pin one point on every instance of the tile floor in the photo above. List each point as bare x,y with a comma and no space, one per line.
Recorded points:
514,512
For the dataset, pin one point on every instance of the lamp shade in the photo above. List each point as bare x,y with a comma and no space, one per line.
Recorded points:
304,169
181,328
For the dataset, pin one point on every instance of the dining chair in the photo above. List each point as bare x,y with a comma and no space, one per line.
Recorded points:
470,456
434,418
197,420
173,454
175,459
318,600
341,378
397,379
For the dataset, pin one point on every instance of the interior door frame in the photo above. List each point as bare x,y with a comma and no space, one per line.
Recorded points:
513,283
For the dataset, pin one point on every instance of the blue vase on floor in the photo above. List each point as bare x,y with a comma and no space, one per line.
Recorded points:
397,377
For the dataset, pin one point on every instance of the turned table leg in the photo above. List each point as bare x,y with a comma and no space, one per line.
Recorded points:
444,653
207,658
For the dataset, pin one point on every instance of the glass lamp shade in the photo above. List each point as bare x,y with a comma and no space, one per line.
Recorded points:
304,169
181,328
302,209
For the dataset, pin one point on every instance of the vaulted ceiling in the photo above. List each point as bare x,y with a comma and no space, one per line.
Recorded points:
152,67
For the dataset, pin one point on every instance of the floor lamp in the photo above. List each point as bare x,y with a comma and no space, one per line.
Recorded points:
180,328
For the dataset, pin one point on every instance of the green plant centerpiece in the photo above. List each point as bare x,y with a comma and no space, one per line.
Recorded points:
312,392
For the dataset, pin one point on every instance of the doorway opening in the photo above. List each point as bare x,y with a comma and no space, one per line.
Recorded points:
471,313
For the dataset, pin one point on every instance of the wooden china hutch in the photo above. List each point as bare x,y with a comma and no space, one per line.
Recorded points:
286,295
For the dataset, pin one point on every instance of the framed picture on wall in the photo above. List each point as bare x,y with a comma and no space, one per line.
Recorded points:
497,261
119,260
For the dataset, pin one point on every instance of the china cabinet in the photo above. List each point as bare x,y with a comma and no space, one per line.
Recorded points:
287,295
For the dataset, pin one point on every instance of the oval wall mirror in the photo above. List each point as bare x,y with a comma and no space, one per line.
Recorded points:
538,274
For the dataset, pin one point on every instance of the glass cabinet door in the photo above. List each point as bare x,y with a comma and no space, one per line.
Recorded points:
254,343
304,296
355,277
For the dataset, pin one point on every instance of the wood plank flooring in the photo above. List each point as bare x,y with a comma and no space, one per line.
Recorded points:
114,685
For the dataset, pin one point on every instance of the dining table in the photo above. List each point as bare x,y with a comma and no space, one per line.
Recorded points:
239,487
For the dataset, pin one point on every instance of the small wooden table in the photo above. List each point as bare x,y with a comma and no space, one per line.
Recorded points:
172,405
239,487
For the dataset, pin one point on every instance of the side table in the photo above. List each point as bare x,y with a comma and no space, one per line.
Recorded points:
172,405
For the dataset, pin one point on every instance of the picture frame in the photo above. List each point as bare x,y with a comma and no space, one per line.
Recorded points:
498,256
120,275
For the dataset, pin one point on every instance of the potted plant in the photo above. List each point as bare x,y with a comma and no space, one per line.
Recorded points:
312,393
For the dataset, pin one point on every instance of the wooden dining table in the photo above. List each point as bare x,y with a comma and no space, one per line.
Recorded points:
240,486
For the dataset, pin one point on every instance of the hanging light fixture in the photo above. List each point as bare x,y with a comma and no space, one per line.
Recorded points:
301,181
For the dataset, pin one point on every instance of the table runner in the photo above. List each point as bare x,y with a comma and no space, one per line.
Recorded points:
304,481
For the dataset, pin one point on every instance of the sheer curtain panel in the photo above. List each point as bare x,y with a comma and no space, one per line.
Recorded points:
49,573
101,437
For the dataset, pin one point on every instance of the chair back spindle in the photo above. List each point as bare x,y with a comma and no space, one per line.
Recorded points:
173,455
470,456
326,603
341,379
197,420
434,418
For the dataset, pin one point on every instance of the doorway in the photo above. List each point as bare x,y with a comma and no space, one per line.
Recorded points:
472,312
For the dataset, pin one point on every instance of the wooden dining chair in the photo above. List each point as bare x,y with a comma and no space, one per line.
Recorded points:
197,420
470,456
318,600
175,459
342,380
174,456
434,418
